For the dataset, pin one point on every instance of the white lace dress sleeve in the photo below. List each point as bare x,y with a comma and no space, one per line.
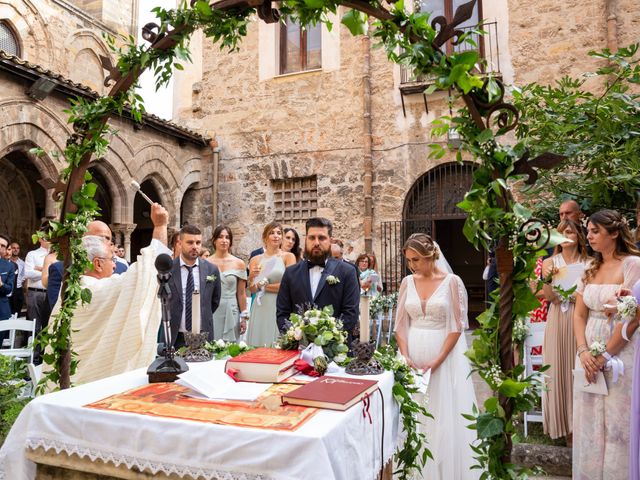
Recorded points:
402,317
458,320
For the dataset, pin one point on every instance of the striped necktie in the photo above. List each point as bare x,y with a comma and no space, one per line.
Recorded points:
188,299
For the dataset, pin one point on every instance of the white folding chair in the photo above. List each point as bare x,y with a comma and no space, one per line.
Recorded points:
20,325
35,373
534,339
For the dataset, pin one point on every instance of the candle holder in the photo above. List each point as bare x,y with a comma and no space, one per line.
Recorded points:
196,352
364,363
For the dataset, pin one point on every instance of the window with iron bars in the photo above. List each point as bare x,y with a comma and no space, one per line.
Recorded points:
295,199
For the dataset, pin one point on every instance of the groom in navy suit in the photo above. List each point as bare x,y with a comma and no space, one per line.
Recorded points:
319,280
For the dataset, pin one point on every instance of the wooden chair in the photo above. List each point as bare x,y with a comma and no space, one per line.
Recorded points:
18,325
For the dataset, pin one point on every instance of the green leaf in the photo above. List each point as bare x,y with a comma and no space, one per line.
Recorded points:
85,295
489,426
314,3
355,21
511,388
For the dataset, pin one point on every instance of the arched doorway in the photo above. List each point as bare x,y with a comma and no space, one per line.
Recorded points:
141,236
430,207
22,198
103,196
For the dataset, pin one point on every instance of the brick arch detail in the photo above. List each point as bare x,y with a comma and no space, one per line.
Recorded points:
122,209
30,125
86,41
35,41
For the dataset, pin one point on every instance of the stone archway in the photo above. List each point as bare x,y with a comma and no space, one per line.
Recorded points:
34,38
22,198
141,236
103,195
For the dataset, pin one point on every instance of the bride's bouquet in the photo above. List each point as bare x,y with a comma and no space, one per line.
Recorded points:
319,332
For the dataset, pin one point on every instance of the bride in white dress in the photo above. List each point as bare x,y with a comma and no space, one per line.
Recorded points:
430,323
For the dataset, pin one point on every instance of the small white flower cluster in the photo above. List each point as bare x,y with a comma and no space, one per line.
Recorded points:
494,374
520,330
332,280
627,307
597,347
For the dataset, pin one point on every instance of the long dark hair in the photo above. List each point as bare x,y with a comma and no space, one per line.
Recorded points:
216,234
611,221
295,249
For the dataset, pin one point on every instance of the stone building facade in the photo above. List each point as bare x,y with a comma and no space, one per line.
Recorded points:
51,52
358,119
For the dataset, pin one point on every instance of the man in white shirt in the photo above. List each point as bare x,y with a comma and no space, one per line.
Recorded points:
117,331
37,304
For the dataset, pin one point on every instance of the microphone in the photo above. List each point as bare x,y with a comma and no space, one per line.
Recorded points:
164,264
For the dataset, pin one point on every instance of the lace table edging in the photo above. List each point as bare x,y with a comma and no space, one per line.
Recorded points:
141,464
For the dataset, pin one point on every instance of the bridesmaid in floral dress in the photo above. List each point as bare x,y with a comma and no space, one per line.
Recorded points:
601,422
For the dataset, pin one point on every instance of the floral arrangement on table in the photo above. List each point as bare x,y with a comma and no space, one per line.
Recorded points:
382,303
319,332
222,349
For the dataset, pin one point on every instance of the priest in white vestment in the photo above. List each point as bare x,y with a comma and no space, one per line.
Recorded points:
117,331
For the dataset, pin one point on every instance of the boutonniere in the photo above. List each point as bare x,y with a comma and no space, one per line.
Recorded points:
211,278
331,280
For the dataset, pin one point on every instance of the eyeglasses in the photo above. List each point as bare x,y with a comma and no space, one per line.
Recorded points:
113,259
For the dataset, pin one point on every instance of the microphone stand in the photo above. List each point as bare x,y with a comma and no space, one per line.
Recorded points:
167,368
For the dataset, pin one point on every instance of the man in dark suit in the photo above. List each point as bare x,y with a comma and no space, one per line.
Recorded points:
305,283
7,279
191,273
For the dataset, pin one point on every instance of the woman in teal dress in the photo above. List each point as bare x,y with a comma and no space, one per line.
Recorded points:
265,273
229,319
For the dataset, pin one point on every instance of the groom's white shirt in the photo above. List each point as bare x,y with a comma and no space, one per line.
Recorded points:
117,331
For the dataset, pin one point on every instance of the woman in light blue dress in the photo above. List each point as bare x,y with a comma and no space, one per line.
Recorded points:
229,319
265,273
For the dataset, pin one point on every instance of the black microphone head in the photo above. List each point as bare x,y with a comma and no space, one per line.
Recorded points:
164,263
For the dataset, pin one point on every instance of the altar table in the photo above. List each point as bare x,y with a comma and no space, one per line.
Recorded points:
331,445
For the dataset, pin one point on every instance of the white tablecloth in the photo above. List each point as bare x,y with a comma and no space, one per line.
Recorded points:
330,445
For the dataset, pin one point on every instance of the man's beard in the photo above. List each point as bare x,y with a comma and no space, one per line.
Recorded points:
317,257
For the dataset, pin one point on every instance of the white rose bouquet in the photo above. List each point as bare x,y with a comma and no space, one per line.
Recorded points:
321,328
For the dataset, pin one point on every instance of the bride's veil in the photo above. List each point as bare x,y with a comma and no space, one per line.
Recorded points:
441,262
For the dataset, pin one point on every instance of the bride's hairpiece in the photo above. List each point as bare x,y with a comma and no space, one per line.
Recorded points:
423,244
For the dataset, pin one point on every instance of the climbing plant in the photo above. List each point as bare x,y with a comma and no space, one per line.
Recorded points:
596,128
412,39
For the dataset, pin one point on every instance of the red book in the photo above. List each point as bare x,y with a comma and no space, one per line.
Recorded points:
334,393
268,365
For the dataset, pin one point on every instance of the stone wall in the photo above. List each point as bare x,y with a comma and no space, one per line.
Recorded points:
312,123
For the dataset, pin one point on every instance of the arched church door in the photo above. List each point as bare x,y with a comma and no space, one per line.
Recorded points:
430,207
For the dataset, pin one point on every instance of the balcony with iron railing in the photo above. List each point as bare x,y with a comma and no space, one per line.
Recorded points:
486,45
